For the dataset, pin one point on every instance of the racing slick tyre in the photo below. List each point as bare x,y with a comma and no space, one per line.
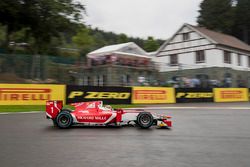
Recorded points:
67,110
64,119
145,120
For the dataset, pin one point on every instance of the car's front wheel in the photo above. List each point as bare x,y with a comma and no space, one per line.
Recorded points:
145,120
64,120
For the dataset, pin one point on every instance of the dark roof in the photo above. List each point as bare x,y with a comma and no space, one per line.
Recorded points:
223,39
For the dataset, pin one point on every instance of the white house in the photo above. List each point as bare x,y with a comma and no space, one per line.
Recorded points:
117,65
193,47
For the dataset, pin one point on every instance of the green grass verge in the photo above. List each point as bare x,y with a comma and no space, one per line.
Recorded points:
24,108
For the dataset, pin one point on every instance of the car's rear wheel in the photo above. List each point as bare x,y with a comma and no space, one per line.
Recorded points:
67,110
64,120
145,120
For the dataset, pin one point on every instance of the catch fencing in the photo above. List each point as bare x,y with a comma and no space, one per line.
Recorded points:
23,68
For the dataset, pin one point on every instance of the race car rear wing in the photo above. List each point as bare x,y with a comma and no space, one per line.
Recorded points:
53,108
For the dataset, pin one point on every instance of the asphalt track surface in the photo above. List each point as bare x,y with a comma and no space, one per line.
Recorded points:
203,135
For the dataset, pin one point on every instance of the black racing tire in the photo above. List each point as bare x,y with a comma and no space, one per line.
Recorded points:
145,120
64,119
67,110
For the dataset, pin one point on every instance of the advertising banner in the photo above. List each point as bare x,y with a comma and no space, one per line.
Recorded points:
230,94
109,95
190,95
249,94
153,95
30,94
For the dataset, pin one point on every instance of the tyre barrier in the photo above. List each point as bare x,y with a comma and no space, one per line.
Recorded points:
38,94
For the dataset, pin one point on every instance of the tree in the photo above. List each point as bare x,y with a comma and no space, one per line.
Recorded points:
122,38
151,45
217,15
83,40
48,19
45,19
2,35
10,17
242,20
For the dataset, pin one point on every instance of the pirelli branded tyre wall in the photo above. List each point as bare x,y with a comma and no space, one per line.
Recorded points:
109,95
231,94
190,95
212,95
153,95
38,94
30,94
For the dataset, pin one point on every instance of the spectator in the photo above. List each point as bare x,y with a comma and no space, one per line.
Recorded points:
228,82
196,83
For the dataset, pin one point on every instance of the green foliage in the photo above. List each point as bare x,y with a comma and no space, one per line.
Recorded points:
99,39
122,38
217,15
243,12
19,36
151,44
10,17
83,40
10,14
48,19
45,19
103,38
53,27
227,16
242,19
2,35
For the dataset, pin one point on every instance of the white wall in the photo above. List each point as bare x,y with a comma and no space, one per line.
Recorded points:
184,49
198,40
214,55
244,62
213,58
186,61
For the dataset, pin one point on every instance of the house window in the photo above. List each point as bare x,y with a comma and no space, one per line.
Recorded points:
239,60
200,56
174,60
227,57
185,36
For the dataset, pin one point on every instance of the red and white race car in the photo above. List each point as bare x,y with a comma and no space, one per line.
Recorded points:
95,114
